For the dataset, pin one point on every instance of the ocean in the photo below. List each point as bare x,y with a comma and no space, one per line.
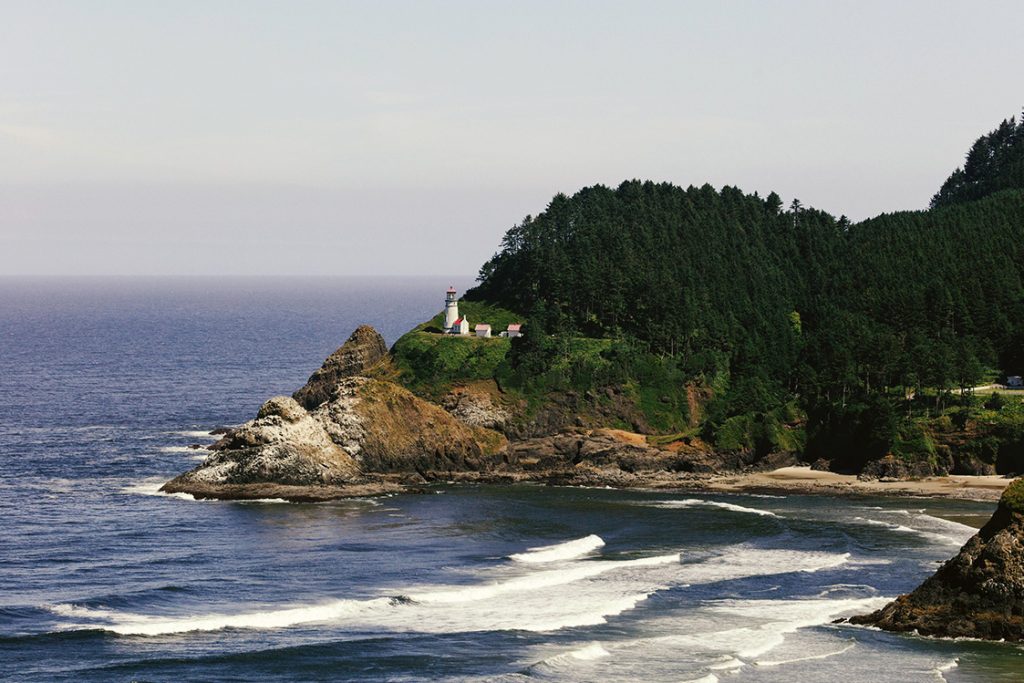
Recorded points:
106,383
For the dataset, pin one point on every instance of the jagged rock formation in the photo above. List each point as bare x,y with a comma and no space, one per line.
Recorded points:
614,450
476,408
283,445
388,429
891,468
363,349
977,594
358,431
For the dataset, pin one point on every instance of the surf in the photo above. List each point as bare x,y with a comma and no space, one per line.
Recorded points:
560,551
701,502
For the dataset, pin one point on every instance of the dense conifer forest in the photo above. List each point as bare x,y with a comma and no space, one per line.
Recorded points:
774,307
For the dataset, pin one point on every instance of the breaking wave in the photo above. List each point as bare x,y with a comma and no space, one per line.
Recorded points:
561,551
151,487
196,434
183,449
944,531
824,655
576,593
699,502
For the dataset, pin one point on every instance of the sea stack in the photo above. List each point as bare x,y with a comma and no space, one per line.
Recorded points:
363,349
977,594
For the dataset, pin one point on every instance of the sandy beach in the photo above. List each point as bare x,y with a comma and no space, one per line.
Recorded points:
806,480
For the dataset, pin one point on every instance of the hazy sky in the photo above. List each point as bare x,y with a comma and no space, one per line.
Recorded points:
382,137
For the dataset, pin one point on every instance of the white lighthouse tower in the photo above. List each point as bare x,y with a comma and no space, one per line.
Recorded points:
451,311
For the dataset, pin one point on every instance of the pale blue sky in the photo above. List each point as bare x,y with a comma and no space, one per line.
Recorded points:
405,137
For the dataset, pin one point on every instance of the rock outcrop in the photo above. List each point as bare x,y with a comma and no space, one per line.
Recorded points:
891,468
342,434
977,594
363,350
283,445
614,450
388,429
476,408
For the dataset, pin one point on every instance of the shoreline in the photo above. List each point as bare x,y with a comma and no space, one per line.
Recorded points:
798,480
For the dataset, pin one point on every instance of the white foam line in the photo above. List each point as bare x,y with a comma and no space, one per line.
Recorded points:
570,659
561,551
698,502
958,533
590,652
151,487
786,616
727,664
140,625
808,658
887,525
537,580
181,449
197,435
592,618
839,587
146,487
941,669
534,601
947,523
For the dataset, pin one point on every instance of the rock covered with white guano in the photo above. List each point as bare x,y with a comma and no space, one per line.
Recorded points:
283,445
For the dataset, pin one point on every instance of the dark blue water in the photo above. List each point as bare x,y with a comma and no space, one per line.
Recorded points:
105,384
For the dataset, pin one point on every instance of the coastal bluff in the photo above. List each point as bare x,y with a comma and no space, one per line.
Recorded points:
977,594
352,430
364,424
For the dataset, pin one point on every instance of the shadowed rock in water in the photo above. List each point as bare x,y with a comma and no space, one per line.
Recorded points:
977,594
363,349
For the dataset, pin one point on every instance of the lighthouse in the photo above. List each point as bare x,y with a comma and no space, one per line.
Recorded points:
451,311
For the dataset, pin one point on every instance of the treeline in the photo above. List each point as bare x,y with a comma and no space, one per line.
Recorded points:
693,273
784,302
995,163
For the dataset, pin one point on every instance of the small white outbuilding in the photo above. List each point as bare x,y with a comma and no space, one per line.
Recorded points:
483,330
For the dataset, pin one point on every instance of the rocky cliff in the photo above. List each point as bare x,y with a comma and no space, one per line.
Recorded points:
363,350
352,431
977,594
388,429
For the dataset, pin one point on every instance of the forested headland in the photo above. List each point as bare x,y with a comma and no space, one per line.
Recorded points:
755,326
